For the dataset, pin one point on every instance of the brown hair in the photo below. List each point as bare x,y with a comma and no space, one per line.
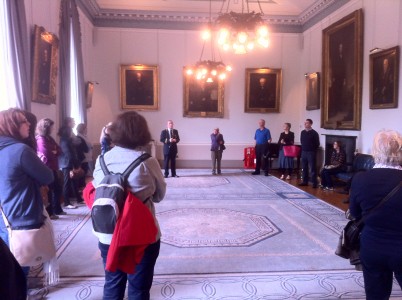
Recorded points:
81,128
43,127
129,130
10,122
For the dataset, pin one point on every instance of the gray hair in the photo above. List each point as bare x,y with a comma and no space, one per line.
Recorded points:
387,148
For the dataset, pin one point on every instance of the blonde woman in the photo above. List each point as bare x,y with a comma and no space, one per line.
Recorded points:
381,238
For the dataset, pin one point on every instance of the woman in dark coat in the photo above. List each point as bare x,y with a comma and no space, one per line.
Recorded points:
381,238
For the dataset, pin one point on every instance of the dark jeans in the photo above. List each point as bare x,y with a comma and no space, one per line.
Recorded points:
326,176
139,283
308,159
54,195
69,188
172,158
379,265
260,150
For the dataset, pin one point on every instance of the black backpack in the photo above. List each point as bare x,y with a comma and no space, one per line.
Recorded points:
110,196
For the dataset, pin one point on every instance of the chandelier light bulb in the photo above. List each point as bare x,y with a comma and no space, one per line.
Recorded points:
262,31
206,35
189,71
226,47
214,72
242,37
222,76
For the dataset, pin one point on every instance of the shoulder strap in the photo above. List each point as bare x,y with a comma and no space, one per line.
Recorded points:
129,169
135,164
103,165
386,198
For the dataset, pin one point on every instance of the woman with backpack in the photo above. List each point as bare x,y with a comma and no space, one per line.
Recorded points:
146,186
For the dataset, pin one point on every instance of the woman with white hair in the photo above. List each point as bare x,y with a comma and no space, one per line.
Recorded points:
381,238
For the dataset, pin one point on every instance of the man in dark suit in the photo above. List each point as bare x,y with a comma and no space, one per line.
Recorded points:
170,138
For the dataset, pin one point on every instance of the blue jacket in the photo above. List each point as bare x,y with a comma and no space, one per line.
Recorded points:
21,175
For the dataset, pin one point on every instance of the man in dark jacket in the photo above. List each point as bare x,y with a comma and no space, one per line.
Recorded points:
170,137
310,141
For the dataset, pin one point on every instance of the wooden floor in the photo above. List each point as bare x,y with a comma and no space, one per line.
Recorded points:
333,197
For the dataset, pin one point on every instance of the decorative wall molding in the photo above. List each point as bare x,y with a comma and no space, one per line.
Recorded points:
194,21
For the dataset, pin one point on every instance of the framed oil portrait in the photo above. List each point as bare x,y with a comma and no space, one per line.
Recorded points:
202,99
89,91
263,90
342,60
384,78
313,91
45,64
139,87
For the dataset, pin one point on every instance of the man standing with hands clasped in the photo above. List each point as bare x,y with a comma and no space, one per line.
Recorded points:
310,141
262,137
170,138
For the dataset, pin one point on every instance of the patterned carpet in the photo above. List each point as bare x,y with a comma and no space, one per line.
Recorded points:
233,236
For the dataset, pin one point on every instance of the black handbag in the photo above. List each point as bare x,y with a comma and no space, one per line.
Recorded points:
349,240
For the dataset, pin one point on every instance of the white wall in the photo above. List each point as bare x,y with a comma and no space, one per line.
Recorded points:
382,29
104,49
171,50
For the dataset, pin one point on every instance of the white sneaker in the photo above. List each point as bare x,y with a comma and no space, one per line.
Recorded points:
70,206
282,176
288,177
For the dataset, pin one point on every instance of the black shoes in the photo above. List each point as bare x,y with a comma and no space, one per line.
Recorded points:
177,176
255,173
303,184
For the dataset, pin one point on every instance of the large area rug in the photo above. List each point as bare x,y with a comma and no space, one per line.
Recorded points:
233,236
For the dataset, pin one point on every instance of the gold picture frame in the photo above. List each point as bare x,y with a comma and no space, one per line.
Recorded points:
202,99
384,78
342,60
89,91
139,87
313,91
263,90
45,64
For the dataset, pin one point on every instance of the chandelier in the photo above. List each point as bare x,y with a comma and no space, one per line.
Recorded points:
241,32
208,70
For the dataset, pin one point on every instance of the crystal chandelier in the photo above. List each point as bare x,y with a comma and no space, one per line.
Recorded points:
241,32
208,70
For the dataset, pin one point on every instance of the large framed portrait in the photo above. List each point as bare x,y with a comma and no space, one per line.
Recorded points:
312,91
139,87
202,99
384,78
45,64
263,90
342,73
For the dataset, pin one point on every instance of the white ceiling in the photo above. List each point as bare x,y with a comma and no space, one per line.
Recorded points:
269,7
280,15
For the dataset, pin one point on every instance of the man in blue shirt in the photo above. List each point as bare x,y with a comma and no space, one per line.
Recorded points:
262,137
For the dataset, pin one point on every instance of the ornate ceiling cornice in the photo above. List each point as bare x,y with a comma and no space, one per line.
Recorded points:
194,21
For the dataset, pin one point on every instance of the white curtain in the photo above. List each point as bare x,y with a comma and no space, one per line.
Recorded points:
72,87
15,63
